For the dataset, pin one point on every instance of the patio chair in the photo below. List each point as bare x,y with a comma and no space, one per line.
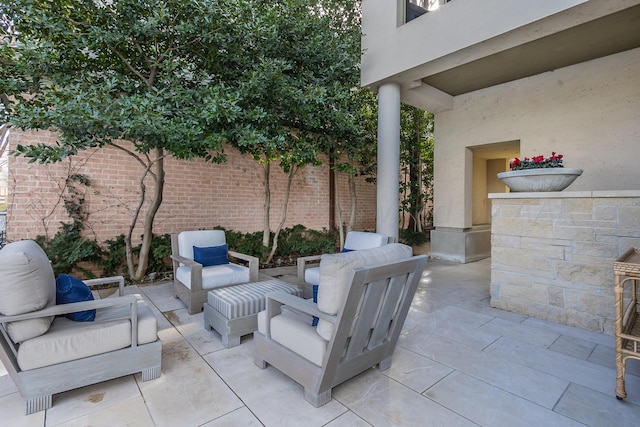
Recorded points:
308,266
49,348
363,300
201,263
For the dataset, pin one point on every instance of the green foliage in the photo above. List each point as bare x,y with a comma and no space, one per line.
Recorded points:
67,249
113,262
300,241
416,157
412,238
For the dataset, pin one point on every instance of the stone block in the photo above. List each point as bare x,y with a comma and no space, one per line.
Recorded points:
595,249
567,317
556,297
605,213
598,305
537,294
503,241
575,206
519,258
593,275
629,217
574,233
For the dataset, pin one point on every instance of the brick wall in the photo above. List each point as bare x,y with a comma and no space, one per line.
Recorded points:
552,257
196,194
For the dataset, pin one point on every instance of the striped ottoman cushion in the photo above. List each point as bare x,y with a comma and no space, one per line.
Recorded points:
243,300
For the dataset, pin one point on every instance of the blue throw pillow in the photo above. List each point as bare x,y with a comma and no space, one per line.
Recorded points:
314,321
70,289
213,255
346,250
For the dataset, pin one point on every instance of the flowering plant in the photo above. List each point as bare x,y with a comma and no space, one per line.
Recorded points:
555,161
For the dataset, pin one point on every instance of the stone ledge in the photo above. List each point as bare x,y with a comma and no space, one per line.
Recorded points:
567,194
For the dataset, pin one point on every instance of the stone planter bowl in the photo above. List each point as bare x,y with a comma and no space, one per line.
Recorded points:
543,179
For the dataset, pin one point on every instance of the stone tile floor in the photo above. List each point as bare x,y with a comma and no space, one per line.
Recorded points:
459,362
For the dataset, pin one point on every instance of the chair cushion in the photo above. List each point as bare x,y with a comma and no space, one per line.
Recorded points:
336,272
216,275
68,340
71,289
312,275
358,240
293,330
211,255
200,238
27,284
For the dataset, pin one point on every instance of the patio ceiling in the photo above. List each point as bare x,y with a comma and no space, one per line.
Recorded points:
601,37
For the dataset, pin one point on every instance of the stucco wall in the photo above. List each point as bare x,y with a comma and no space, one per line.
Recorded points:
587,112
197,194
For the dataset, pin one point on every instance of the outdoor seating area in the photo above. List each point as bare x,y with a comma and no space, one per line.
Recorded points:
457,362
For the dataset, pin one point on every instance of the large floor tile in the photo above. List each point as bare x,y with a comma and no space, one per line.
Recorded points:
519,379
273,397
597,409
560,365
84,401
381,402
12,412
241,417
188,392
517,331
491,406
191,327
415,371
130,413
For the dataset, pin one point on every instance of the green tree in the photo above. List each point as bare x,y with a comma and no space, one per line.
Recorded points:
416,158
296,74
146,77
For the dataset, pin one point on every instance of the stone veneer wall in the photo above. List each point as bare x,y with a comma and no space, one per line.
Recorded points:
552,254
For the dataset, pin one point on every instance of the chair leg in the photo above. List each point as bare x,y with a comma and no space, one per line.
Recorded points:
260,363
384,364
317,399
36,404
150,373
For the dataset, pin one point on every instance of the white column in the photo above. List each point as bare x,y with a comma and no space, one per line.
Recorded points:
388,159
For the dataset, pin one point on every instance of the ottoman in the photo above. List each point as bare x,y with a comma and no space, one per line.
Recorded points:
233,311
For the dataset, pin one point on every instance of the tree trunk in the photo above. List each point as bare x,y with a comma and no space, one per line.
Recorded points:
137,273
353,196
156,201
339,222
292,172
266,233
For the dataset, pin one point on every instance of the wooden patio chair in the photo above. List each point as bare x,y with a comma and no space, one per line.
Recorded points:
363,300
201,263
47,349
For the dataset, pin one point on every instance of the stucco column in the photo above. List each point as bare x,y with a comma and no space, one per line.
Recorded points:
388,159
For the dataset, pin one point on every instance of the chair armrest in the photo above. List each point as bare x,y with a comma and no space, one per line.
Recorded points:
107,280
196,272
279,298
254,264
186,261
302,264
131,300
73,307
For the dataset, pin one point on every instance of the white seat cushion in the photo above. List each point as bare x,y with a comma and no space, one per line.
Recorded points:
336,271
216,276
68,340
293,330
